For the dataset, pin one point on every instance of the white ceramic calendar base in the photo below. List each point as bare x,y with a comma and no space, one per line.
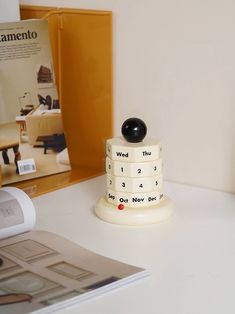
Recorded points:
134,216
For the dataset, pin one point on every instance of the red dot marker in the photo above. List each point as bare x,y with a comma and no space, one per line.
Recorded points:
120,206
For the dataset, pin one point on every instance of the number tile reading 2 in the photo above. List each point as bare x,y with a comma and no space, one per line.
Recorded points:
133,169
134,199
138,185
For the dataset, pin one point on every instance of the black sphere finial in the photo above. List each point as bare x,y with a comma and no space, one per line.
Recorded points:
134,130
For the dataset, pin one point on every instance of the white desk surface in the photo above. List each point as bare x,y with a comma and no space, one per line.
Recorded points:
191,257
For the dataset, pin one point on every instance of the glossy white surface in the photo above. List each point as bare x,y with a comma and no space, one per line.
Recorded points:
190,257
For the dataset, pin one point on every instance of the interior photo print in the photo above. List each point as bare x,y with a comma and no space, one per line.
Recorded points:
32,142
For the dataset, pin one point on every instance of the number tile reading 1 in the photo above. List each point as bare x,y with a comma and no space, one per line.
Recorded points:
119,149
134,199
133,169
138,185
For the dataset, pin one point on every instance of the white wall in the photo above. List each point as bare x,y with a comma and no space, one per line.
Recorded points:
9,10
174,67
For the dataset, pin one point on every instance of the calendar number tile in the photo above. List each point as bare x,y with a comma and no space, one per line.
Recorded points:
158,183
137,185
133,170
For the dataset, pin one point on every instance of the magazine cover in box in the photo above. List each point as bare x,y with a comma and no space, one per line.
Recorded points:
32,142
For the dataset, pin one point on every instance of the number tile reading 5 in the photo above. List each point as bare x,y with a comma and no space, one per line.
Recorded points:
133,169
138,185
119,149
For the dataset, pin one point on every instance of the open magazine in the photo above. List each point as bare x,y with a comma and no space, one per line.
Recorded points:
44,272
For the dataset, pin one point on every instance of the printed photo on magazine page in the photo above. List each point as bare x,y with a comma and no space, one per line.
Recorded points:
32,141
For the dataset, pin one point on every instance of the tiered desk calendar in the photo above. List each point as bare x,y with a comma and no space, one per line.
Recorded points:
134,193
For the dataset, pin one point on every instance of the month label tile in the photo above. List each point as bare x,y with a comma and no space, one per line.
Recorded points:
133,199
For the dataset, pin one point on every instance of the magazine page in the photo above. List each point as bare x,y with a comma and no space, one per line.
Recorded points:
17,212
32,142
46,272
